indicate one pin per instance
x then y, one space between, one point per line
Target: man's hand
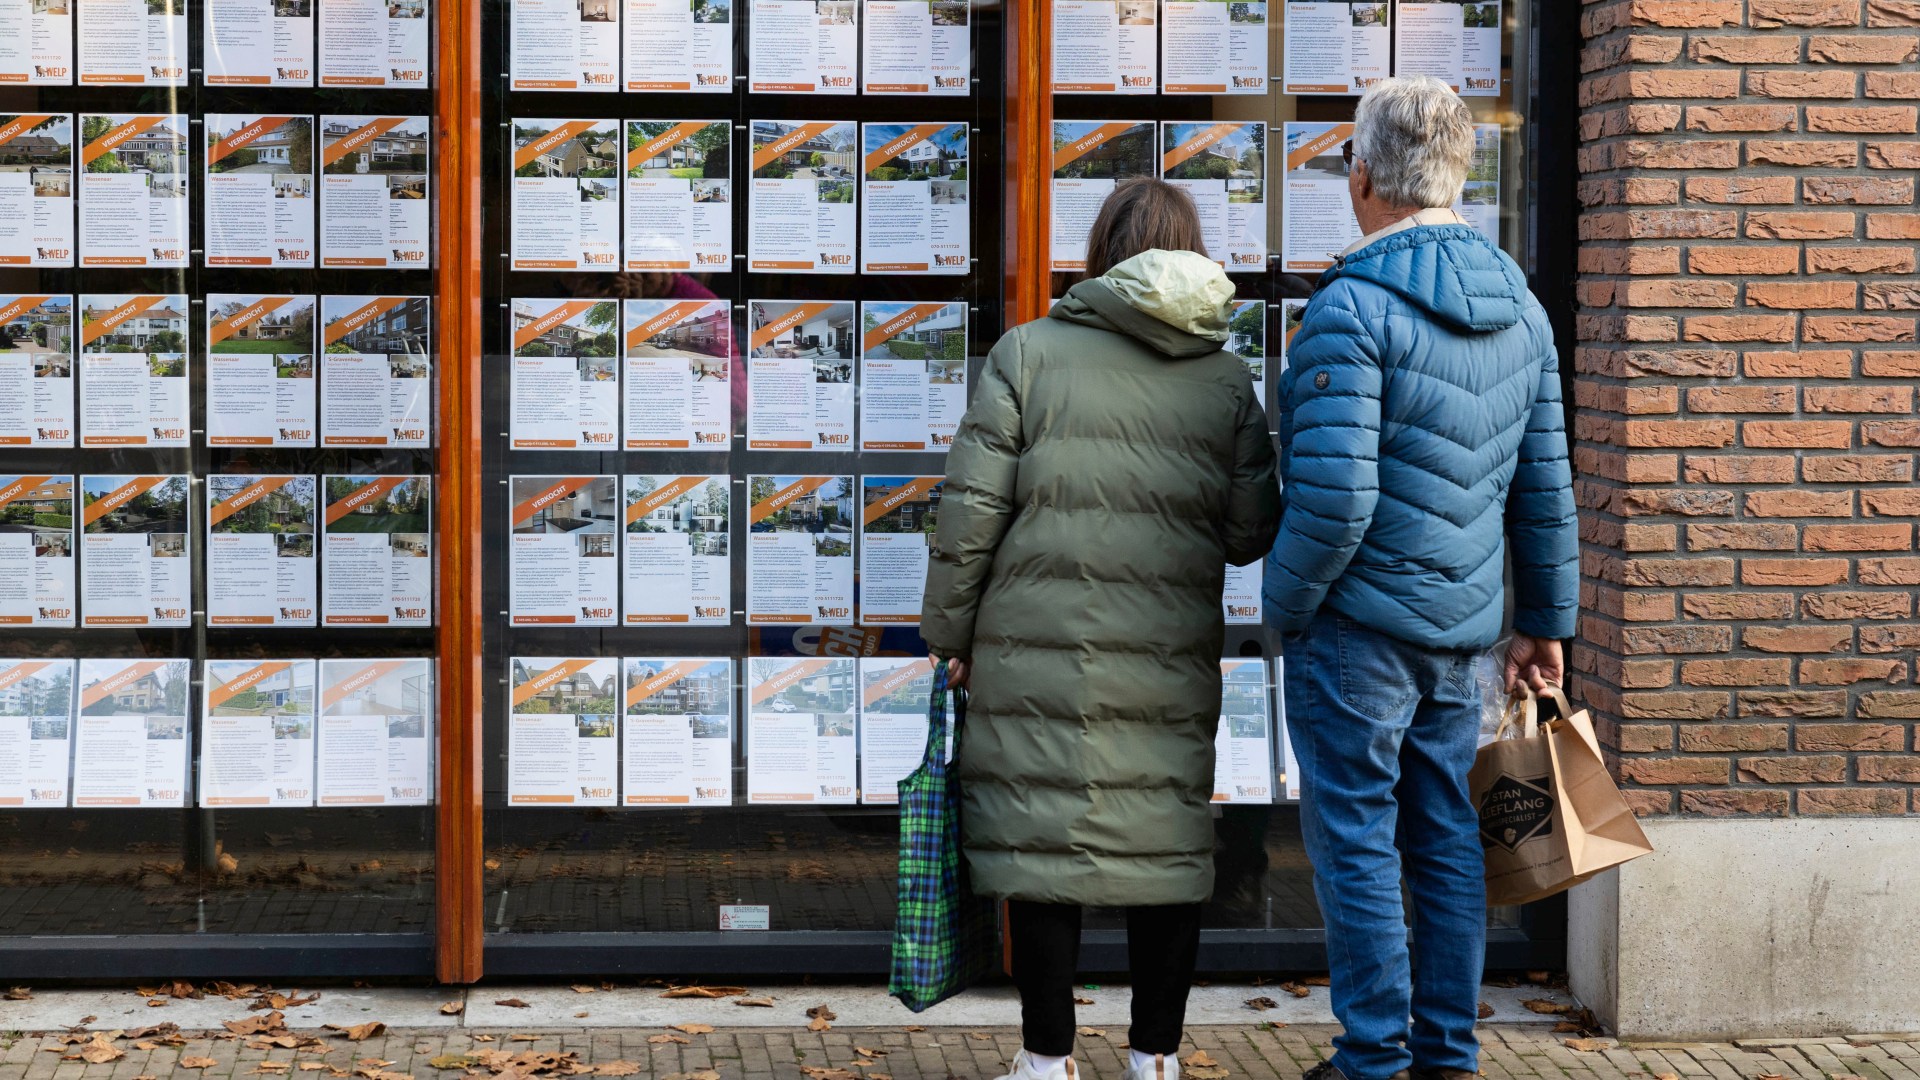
1536 660
956 673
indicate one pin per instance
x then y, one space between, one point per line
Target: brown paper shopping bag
1550 815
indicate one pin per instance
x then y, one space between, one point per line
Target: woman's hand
956 673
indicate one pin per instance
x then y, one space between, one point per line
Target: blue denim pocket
1375 678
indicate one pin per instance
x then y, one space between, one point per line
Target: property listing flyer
894 691
36 371
915 47
1479 201
676 736
256 733
373 191
36 551
1292 313
36 732
376 373
132 42
257 42
800 730
561 569
1335 46
1089 157
564 45
374 43
800 375
679 45
133 370
562 749
135 566
133 189
565 383
803 46
376 547
1289 767
913 374
1223 168
1455 41
130 740
800 550
1247 338
898 517
374 734
1316 214
679 198
801 215
678 378
36 44
260 556
914 218
1105 47
36 190
259 190
675 559
1191 32
566 194
260 371
1243 744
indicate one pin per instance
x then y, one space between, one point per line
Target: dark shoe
1326 1070
1444 1074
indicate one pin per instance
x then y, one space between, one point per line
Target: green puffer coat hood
1114 460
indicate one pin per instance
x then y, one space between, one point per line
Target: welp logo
1514 811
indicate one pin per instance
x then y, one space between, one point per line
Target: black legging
1162 943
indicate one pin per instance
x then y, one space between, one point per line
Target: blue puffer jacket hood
1421 441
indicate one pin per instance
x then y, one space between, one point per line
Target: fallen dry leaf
19 993
273 999
1091 1032
146 1076
360 1032
759 1002
452 1061
879 1076
582 988
1666 1076
1586 1045
1545 1007
1316 980
815 1072
913 1027
693 1029
616 1068
523 1038
453 1008
312 1066
1262 1004
84 1021
668 1039
864 1051
157 1003
197 1063
1200 1065
513 1003
579 1015
1769 1076
702 991
1199 1058
703 1074
373 1062
254 1025
1082 1001
483 1038
818 1023
273 1067
101 1050
1486 1010
1295 989
1541 977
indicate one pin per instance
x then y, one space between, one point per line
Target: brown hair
1142 214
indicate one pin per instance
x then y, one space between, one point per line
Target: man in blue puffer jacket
1422 446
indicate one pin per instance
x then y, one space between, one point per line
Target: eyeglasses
1346 153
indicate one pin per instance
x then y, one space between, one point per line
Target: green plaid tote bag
945 937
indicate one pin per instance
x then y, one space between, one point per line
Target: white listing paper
132 42
36 42
915 47
374 195
800 550
256 733
374 43
679 45
914 206
1316 213
803 46
801 217
1335 46
136 566
133 189
259 190
1243 744
130 744
679 199
1292 312
674 560
1089 156
562 747
36 190
898 518
260 550
562 568
376 371
678 375
566 194
133 371
565 45
1223 168
676 737
1479 201
257 42
376 547
1289 766
800 375
565 381
800 730
36 551
1455 41
36 371
1104 47
260 385
913 375
375 733
36 732
1191 33
1240 598
894 694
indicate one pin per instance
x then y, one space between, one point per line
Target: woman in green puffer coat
1113 462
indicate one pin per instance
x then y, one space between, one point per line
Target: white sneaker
1164 1067
1023 1070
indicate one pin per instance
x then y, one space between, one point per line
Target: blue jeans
1384 733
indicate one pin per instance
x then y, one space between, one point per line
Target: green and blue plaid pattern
944 937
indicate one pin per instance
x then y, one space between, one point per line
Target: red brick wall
1745 432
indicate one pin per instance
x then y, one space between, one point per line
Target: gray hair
1416 137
